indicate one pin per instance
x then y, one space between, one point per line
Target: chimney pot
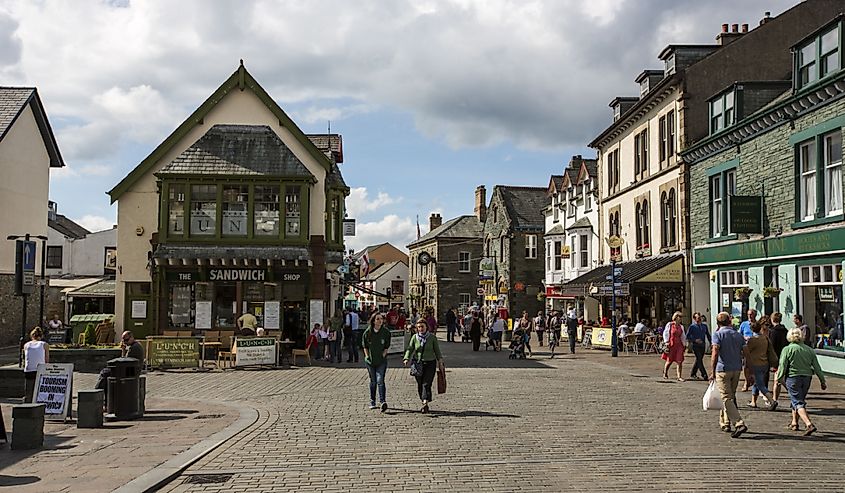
724 28
745 28
734 28
481 203
434 221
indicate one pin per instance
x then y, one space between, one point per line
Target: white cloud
394 229
359 202
95 223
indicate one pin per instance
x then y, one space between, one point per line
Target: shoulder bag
416 361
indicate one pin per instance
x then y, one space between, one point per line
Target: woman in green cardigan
424 347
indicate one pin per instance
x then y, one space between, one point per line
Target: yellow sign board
673 272
602 336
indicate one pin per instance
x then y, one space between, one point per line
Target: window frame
814 206
726 189
815 64
725 116
531 247
584 251
50 259
464 262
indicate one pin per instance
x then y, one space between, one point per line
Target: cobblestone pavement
586 422
95 460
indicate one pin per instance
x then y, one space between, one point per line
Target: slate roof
67 227
329 144
13 100
334 179
558 181
557 230
631 271
592 167
525 206
238 150
460 227
584 222
99 289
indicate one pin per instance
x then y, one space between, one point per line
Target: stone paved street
586 422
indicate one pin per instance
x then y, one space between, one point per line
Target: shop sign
479 291
54 389
237 274
565 251
173 352
746 214
826 294
486 264
176 276
782 246
671 273
348 227
602 336
255 351
623 289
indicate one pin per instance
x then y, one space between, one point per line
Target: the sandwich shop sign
237 275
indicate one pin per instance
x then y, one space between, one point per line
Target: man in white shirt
640 328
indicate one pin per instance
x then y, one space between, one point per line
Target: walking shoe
810 429
372 405
773 405
739 431
726 429
383 406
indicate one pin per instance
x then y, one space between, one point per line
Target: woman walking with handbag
760 356
424 356
676 342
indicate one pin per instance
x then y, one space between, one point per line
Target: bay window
203 210
176 209
235 210
267 210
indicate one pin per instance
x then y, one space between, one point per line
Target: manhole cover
208 478
208 416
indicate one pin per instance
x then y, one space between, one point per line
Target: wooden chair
302 352
650 344
227 356
104 333
185 333
170 333
630 342
81 339
226 337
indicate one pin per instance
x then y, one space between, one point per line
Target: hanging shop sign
746 214
565 251
54 389
255 351
348 227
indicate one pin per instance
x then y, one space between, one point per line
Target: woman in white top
35 351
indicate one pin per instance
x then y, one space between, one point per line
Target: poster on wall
316 313
54 389
139 309
726 300
736 309
271 314
203 315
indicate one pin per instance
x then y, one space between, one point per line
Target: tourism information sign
173 352
255 351
54 389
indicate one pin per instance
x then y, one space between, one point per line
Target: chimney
726 37
481 203
766 18
434 221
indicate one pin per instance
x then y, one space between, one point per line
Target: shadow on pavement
160 417
455 414
6 480
819 436
170 411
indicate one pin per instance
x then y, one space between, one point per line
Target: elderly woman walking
424 355
798 364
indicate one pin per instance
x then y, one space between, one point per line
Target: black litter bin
123 388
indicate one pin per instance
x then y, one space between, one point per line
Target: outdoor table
285 349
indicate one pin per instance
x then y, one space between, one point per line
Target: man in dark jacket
777 336
451 325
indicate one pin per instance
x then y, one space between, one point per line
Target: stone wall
10 311
766 167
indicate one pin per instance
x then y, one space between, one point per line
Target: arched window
672 218
646 227
664 219
639 217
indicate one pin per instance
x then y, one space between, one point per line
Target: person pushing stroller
517 346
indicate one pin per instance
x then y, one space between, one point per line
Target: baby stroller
489 343
517 346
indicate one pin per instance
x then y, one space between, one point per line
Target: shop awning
232 255
100 289
661 268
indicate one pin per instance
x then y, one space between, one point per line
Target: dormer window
722 111
643 88
617 112
818 58
669 68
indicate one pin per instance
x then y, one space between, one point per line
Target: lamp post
613 242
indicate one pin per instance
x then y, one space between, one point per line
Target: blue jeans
761 380
377 380
798 388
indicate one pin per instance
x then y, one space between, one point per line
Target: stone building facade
785 161
513 241
451 279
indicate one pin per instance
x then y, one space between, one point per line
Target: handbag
416 362
441 380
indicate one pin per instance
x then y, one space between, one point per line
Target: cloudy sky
432 97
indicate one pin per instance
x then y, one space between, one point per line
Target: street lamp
613 242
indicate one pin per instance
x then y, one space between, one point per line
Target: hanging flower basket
742 293
771 292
